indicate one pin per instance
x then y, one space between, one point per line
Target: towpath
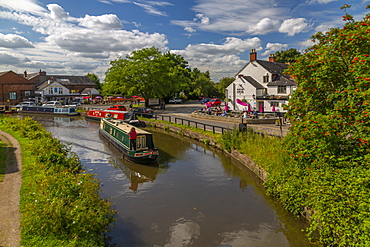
9 193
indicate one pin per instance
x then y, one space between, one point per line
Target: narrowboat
116 132
125 116
66 111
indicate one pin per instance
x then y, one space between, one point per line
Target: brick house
15 88
261 84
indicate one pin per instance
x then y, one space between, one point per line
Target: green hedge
60 202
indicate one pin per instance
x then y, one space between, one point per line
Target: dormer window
266 78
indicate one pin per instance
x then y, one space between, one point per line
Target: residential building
15 88
262 85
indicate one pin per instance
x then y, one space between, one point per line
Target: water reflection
196 196
136 173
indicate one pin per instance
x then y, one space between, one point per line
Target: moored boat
67 111
116 132
125 116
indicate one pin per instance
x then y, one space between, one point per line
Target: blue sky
76 37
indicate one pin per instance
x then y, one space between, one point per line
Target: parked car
25 103
204 100
117 108
175 101
215 102
52 103
145 110
74 104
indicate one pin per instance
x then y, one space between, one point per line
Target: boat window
115 115
143 141
110 131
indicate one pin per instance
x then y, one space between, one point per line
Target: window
12 95
274 103
281 89
55 90
50 90
27 93
266 78
60 90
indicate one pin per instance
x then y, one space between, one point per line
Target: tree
329 139
95 79
202 83
288 56
147 72
223 84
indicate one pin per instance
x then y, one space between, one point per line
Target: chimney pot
253 55
272 58
25 74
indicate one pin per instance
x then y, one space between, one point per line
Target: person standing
132 136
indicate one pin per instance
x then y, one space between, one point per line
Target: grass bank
60 202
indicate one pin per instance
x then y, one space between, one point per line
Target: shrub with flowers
328 174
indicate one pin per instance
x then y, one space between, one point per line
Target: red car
117 108
215 102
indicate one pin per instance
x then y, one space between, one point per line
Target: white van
52 103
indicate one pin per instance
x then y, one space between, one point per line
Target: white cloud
230 46
108 21
221 60
57 12
7 59
294 26
323 28
253 16
203 19
266 25
305 44
14 41
190 30
321 1
150 9
22 5
273 47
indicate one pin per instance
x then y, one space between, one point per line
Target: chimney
272 58
42 76
253 55
25 74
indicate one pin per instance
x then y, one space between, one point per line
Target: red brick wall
12 82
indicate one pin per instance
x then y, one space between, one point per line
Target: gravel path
9 193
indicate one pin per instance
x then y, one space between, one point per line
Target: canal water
196 196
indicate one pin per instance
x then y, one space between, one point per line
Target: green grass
59 200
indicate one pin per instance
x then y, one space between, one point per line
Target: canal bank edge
242 158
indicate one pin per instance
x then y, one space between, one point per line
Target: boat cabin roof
126 127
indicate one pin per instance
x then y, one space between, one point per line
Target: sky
76 37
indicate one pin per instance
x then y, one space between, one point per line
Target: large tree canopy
288 56
147 72
329 140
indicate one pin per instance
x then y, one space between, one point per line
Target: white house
260 84
54 90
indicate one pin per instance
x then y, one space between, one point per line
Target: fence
192 123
